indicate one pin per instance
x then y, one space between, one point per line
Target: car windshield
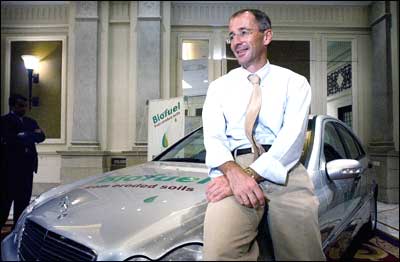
191 148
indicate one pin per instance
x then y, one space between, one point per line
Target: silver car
155 211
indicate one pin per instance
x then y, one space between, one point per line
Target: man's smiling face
248 44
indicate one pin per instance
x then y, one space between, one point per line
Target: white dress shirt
286 98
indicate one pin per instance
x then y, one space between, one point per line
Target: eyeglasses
243 33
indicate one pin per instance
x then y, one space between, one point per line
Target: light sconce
31 63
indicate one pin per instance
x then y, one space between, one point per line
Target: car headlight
191 252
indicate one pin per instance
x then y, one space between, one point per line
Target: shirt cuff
215 172
218 158
270 169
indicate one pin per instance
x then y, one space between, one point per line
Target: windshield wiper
183 159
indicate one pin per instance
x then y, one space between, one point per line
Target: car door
341 196
354 150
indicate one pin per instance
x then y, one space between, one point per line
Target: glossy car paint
149 210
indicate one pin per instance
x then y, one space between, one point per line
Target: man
254 140
19 157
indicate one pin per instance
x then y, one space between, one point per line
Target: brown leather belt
244 151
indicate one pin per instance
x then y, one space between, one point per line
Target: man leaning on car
254 121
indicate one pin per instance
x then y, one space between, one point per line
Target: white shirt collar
262 72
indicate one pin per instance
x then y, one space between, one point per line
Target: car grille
38 243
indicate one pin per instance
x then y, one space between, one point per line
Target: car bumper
9 248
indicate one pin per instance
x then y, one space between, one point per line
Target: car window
191 149
353 148
333 147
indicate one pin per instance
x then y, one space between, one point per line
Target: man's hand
245 188
218 189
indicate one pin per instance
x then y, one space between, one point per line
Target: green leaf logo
165 140
150 199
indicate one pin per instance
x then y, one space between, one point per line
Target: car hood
143 210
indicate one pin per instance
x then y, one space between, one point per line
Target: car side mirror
343 169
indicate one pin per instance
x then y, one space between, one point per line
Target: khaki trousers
230 229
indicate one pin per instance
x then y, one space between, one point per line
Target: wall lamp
31 63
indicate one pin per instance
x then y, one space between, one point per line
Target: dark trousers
17 189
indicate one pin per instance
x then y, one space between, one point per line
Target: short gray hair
262 18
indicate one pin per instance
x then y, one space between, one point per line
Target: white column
85 122
166 48
104 73
148 63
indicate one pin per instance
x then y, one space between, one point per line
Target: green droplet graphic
150 199
165 141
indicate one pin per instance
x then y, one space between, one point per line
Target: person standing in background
19 158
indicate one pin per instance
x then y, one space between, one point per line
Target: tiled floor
388 218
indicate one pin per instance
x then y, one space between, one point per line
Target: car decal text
156 178
141 185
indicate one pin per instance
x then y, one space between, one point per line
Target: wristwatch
250 171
